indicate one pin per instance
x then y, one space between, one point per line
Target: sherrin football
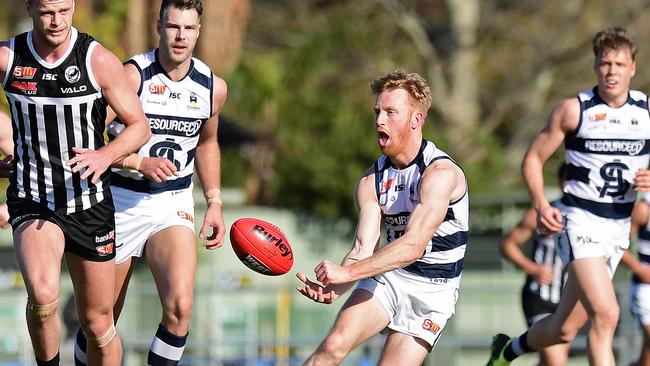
261 246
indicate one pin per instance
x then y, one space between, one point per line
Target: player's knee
606 318
99 334
334 346
40 311
179 310
567 333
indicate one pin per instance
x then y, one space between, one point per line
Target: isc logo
49 77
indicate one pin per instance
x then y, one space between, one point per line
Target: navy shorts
89 233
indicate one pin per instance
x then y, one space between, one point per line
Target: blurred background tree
298 74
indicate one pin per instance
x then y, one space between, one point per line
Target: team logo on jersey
597 117
615 184
24 72
157 89
27 87
72 74
635 122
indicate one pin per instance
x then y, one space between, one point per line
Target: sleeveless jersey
177 111
543 252
608 147
398 194
54 107
643 241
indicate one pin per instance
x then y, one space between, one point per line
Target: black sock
52 362
80 357
517 347
166 348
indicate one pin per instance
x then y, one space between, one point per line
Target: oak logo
27 87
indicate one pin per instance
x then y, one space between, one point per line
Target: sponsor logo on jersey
24 72
621 146
400 219
103 238
74 89
428 324
193 102
157 89
104 250
27 87
585 240
597 117
49 77
385 186
172 126
72 74
185 215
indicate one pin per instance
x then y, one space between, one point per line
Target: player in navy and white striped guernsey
152 190
640 268
545 273
606 134
409 285
58 82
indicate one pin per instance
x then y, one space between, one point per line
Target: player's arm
511 248
366 240
6 146
640 215
562 121
110 76
441 183
4 59
208 169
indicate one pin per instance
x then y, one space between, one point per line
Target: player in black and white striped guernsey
545 274
154 204
640 268
58 82
606 134
409 285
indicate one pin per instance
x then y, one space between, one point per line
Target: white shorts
416 308
139 215
640 302
589 236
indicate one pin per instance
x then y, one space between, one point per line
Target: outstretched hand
95 162
213 219
317 292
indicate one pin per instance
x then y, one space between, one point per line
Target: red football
261 246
